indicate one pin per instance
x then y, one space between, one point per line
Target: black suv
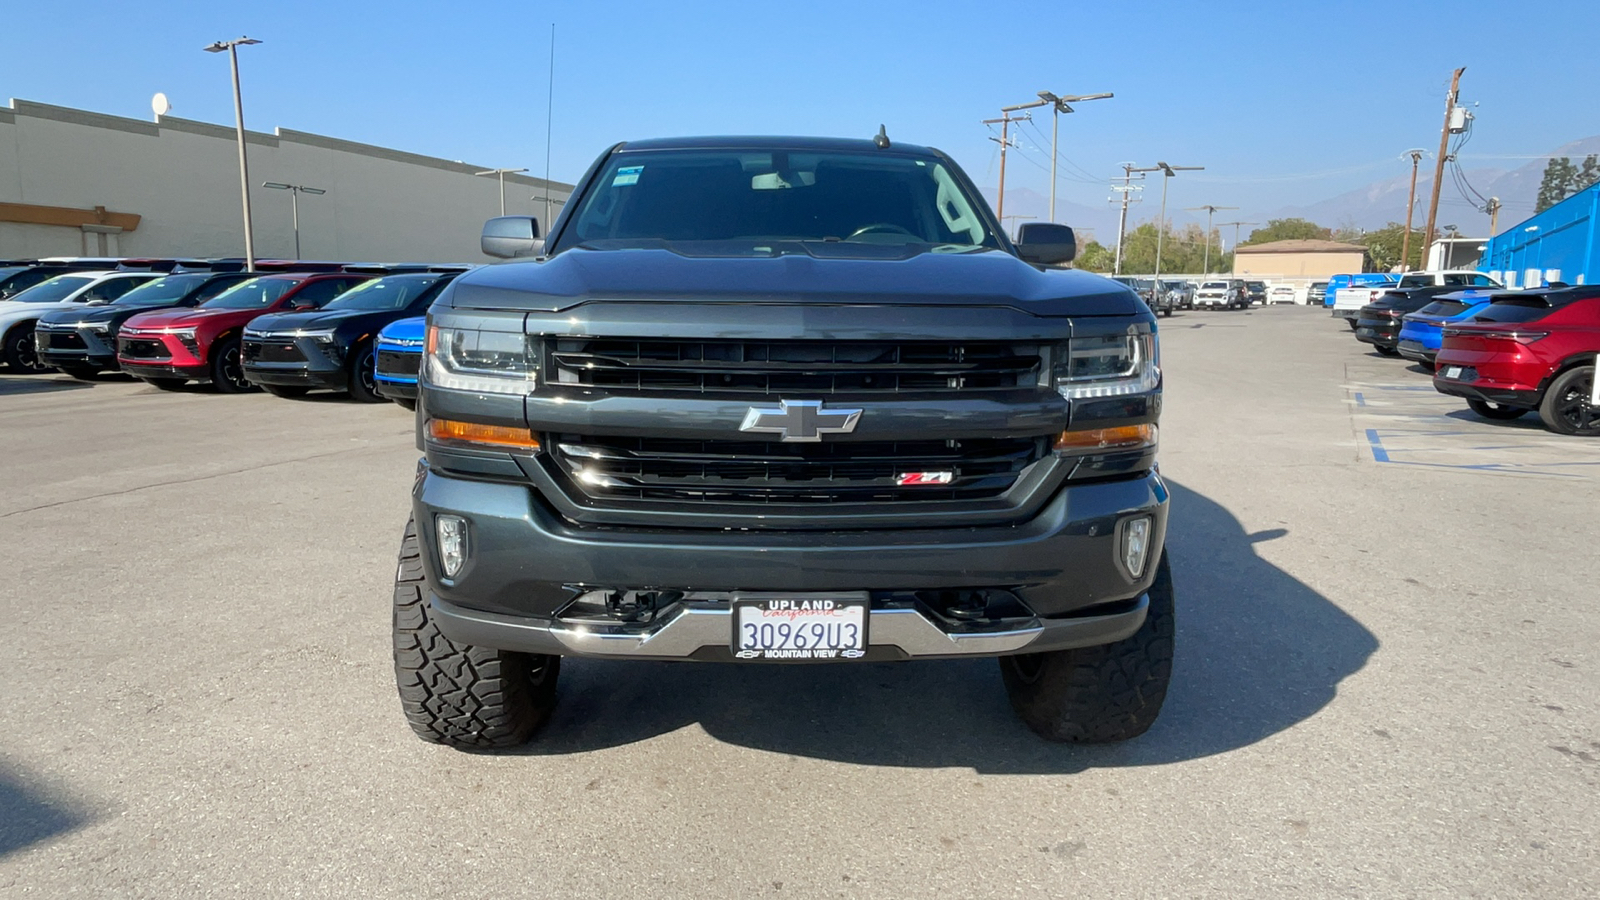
332 347
784 399
83 341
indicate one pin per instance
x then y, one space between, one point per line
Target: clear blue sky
1283 103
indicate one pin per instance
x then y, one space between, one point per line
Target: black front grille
793 367
398 365
271 352
60 340
133 348
689 471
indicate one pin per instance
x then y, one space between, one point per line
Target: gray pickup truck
784 400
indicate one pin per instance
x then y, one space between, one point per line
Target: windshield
384 293
257 293
170 289
755 196
55 290
1214 286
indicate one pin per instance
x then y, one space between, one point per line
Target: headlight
493 362
97 327
1109 365
182 334
324 335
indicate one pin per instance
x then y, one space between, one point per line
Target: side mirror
509 237
301 305
1046 243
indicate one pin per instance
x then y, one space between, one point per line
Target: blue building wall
1560 244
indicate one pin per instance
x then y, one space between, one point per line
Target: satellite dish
160 105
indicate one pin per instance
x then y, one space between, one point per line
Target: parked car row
289 327
1507 353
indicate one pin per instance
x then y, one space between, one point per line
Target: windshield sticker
627 175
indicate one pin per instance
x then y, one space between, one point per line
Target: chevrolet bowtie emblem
800 420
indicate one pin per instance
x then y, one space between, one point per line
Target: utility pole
1161 223
1233 265
1058 106
1411 202
1126 189
1005 120
1494 216
1438 164
1210 211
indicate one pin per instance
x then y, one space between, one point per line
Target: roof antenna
882 140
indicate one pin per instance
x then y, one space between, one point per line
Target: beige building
74 183
1299 260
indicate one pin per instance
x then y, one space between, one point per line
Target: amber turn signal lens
489 435
1123 437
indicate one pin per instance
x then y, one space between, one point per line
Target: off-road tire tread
471 698
1112 692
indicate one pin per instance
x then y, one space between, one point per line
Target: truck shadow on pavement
28 816
37 384
1257 653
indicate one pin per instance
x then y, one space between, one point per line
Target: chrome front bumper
704 630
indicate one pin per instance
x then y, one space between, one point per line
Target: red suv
168 347
1533 349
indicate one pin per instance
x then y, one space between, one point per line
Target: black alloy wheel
1566 409
227 369
364 375
21 353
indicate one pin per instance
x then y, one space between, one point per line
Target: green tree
1589 174
1096 257
1560 182
1183 251
1288 230
1383 246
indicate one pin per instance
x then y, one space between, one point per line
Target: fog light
452 543
1135 545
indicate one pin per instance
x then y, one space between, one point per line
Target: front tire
1565 408
363 375
1112 692
227 368
1386 351
21 353
470 698
1497 411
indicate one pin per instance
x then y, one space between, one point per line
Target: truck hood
981 278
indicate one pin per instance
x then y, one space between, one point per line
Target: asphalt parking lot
1386 679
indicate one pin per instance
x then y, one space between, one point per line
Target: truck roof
774 142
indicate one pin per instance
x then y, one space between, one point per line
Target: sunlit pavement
1386 676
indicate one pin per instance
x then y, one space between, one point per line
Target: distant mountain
1381 202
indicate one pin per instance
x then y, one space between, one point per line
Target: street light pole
1210 211
1058 106
295 190
501 174
1234 265
238 115
1161 223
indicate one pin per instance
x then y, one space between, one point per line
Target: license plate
804 626
1452 372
